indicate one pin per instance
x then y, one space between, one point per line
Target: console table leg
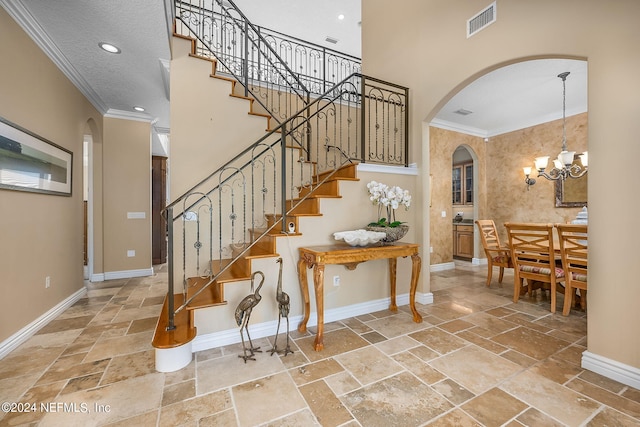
304 288
318 282
393 268
416 263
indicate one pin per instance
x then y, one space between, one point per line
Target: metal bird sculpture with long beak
283 309
243 313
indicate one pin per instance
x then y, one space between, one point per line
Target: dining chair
533 257
574 252
497 254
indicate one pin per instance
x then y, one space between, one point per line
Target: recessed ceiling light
140 109
109 47
341 17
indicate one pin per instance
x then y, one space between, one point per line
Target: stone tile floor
478 359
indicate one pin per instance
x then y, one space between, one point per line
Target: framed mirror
572 192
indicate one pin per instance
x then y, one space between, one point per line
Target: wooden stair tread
184 332
225 78
235 95
253 113
210 297
206 58
259 252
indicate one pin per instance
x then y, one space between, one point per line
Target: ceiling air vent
330 39
463 112
481 20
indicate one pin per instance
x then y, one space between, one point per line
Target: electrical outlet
336 280
47 282
444 214
431 249
131 253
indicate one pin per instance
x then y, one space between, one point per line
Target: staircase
220 226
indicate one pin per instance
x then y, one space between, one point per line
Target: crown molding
473 131
128 115
456 127
20 14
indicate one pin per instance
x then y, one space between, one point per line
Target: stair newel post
283 174
170 294
245 63
406 127
363 117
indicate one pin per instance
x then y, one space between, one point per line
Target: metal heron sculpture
243 313
283 309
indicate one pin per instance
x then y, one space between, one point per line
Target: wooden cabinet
462 184
463 241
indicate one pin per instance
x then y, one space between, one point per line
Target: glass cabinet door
456 184
468 184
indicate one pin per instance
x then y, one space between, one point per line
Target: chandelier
563 166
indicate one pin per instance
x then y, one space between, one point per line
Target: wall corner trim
25 333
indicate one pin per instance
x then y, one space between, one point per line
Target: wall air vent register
481 20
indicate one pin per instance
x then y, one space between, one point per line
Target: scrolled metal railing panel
224 33
269 56
384 116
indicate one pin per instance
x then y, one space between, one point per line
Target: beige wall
430 54
40 234
126 188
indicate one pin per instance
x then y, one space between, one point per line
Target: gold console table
317 257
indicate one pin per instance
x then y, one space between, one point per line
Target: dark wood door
158 203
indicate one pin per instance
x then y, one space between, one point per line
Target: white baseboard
442 267
98 277
267 329
127 274
28 331
612 369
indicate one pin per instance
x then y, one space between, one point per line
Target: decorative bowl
359 237
392 234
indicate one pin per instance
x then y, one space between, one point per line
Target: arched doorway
464 190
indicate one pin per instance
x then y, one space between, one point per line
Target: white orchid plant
390 199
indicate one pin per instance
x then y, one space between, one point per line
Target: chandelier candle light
563 165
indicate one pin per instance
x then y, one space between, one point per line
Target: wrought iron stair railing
266 63
223 219
234 212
